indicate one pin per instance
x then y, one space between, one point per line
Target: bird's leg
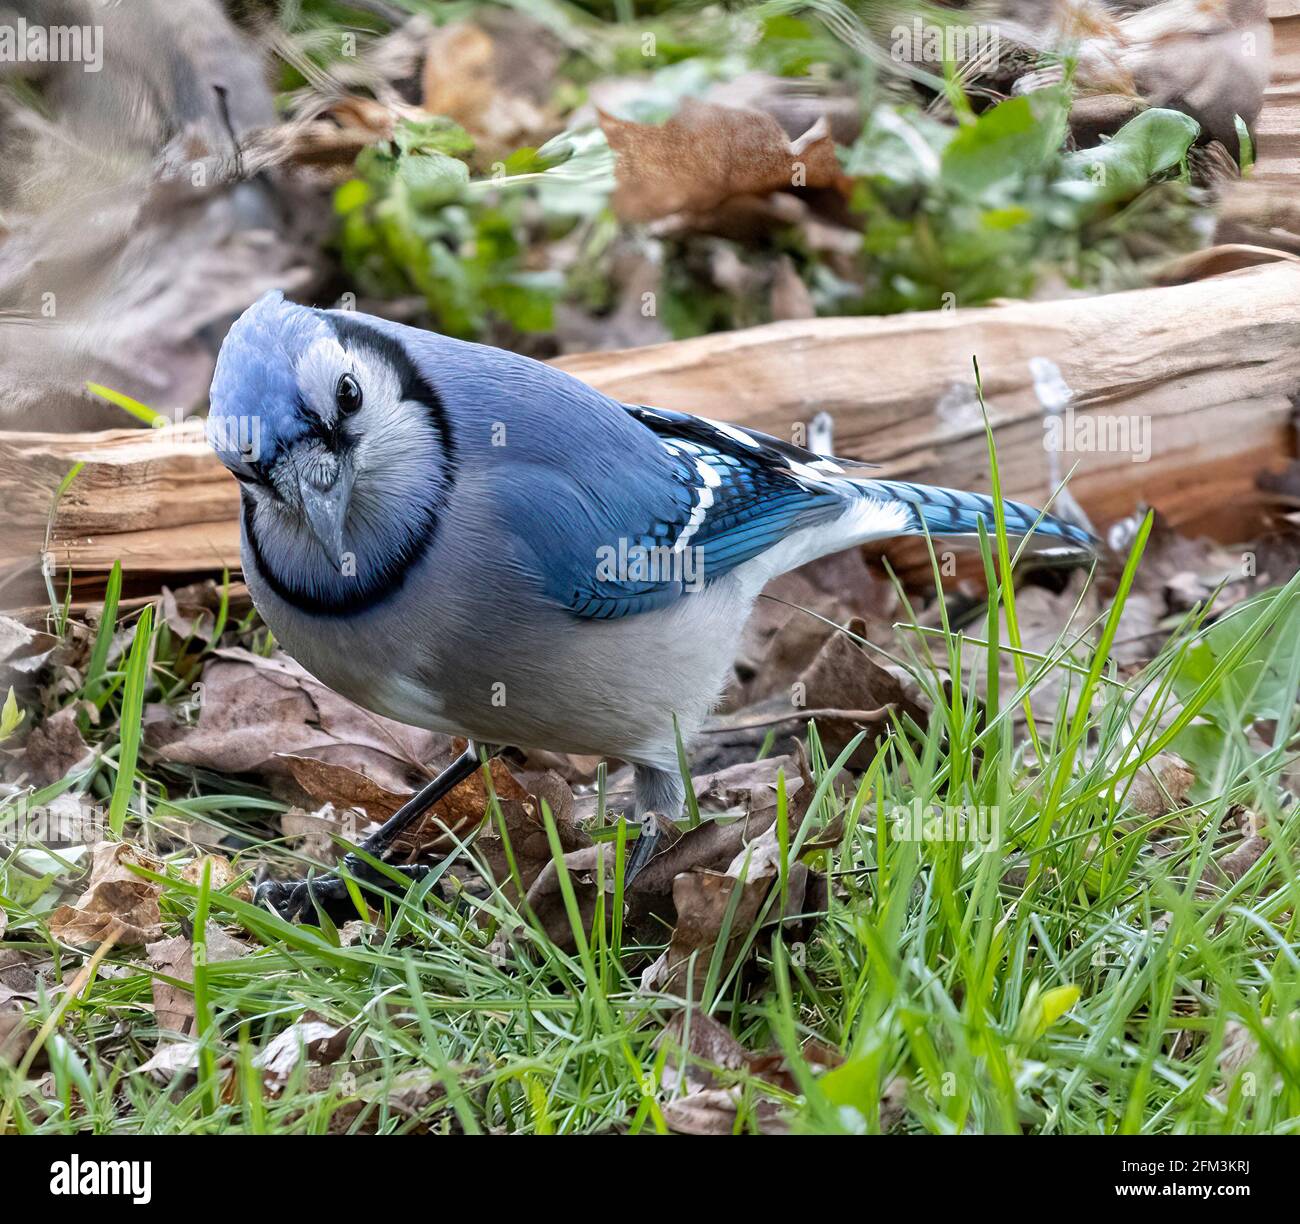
658 791
298 898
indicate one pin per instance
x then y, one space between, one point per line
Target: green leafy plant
963 216
1253 654
410 224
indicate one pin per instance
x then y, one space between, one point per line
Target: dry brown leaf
528 842
702 899
1138 639
742 787
701 1041
458 813
788 628
546 900
473 75
343 786
1243 858
407 1095
221 875
173 1005
459 80
117 903
190 611
311 1036
733 153
711 844
844 677
461 811
790 297
55 747
1162 787
789 623
17 1030
23 651
698 1049
780 638
170 1060
313 833
715 844
255 712
18 972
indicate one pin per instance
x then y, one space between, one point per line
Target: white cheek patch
392 435
317 374
381 389
382 409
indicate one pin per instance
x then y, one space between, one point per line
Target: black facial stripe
330 433
353 594
258 475
415 386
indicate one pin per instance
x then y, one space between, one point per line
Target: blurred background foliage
485 206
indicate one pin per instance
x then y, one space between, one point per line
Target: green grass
1071 979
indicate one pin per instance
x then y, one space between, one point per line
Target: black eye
347 394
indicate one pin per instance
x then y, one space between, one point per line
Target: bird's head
340 445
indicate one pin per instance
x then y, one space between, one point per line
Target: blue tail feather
950 512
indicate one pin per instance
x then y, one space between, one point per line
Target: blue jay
473 542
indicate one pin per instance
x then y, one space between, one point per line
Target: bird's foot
301 898
329 894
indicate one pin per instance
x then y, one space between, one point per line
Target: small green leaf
432 179
10 716
1259 685
1246 156
854 1084
437 134
1006 144
1041 1009
1007 218
1153 143
350 196
537 161
1056 1002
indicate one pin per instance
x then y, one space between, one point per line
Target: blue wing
616 509
683 503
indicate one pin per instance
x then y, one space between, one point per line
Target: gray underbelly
552 681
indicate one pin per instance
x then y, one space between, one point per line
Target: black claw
300 898
273 893
643 850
